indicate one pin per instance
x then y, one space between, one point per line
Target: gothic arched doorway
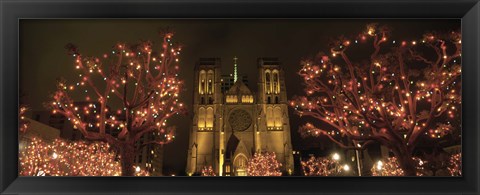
240 165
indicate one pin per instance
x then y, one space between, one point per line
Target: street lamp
379 168
137 169
336 156
346 167
379 165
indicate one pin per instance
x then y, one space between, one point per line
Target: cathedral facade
229 127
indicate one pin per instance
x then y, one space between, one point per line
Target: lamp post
339 169
379 168
336 157
357 156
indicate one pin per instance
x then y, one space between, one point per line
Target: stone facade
229 127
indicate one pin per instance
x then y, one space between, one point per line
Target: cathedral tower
272 101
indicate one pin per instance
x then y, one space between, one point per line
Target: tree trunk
127 152
405 161
408 166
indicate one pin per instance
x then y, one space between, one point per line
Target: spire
235 69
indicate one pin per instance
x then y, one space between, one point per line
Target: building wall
59 122
42 131
150 157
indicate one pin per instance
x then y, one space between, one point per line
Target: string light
264 164
391 167
62 158
377 98
455 165
324 166
23 123
208 171
148 101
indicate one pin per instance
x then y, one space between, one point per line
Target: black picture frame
11 11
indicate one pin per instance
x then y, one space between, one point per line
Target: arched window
210 80
194 150
277 113
248 99
210 86
201 82
276 99
240 163
201 118
275 82
278 83
269 100
231 99
267 82
269 117
194 154
209 118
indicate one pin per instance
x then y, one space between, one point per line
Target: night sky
43 57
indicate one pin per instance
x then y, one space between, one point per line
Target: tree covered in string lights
136 90
387 167
208 171
391 167
62 158
264 164
387 91
324 166
455 165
